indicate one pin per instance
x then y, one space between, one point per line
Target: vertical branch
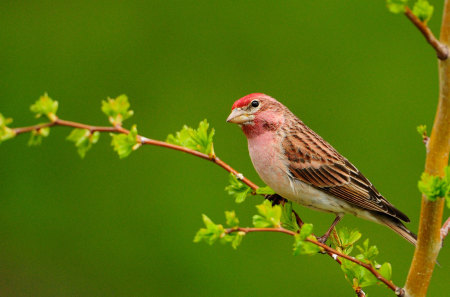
429 238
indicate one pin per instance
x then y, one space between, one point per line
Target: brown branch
444 229
143 140
438 148
440 48
359 292
329 250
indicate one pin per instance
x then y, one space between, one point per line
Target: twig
399 291
143 140
440 48
444 229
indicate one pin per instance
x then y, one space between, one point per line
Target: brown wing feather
314 161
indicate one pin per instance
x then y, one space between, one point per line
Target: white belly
270 163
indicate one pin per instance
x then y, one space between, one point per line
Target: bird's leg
324 237
275 199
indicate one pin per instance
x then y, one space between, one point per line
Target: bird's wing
313 161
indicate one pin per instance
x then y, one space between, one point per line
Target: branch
438 148
440 48
142 139
330 251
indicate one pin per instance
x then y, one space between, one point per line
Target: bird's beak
239 116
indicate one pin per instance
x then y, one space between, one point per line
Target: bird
302 167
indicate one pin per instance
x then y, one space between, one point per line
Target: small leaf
83 140
117 109
195 139
422 130
264 191
211 233
303 247
36 136
288 220
237 239
231 219
423 10
124 144
5 132
386 271
45 106
433 187
269 216
396 6
238 189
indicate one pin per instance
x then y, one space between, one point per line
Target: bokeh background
361 77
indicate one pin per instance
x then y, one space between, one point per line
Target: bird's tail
398 227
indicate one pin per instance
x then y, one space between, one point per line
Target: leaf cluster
5 132
421 8
301 245
199 139
435 187
124 144
117 109
45 106
83 140
344 241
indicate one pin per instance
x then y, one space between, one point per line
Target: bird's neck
260 127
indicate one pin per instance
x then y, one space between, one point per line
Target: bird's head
256 113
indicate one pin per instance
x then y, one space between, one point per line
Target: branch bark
429 237
440 48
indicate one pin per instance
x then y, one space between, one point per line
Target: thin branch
440 48
332 252
143 140
359 292
444 229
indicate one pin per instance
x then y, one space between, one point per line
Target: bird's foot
275 199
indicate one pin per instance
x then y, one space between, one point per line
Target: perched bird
302 167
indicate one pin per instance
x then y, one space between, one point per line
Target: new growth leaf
124 144
238 189
117 109
199 139
83 140
5 132
45 106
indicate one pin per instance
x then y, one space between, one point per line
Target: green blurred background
358 75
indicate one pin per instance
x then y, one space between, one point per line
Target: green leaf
45 106
117 109
269 216
288 220
422 130
238 189
195 139
303 247
83 140
211 233
36 136
423 10
5 132
231 219
433 187
237 239
396 6
386 270
124 144
264 191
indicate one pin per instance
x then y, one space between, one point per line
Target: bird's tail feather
399 228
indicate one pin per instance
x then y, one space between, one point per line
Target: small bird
302 167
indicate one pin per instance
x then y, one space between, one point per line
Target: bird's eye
255 103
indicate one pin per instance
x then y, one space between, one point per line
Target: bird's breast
270 162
